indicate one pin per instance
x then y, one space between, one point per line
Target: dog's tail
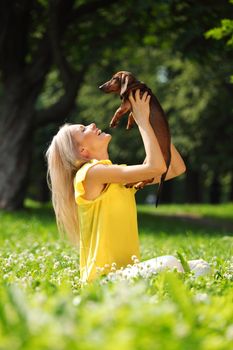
159 191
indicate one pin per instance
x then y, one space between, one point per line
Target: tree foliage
223 32
57 53
50 40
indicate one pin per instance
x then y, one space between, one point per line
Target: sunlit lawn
43 307
223 211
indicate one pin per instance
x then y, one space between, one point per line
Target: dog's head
119 83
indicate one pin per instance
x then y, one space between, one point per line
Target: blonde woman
91 202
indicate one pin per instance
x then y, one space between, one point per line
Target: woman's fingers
137 94
148 98
134 98
131 98
145 97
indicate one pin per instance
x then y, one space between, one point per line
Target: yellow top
108 226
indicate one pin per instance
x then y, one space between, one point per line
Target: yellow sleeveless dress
108 226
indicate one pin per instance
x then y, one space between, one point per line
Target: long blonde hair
63 162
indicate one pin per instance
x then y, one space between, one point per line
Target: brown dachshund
123 83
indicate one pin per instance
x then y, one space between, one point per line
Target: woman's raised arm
155 165
176 168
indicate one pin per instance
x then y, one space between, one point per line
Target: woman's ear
124 83
84 152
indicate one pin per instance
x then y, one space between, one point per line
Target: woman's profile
92 203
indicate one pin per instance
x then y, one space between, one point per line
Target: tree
185 34
223 31
37 38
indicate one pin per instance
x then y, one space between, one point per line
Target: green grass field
43 307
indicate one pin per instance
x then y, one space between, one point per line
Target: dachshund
123 83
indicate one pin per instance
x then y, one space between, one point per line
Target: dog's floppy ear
124 83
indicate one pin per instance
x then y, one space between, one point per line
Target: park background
53 56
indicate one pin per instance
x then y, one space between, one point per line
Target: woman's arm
155 165
176 168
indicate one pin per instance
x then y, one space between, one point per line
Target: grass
223 211
43 307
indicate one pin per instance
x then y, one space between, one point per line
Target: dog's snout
104 87
111 85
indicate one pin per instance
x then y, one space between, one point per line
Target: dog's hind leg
130 121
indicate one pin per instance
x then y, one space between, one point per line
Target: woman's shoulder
81 172
93 162
80 179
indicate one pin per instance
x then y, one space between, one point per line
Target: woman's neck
100 155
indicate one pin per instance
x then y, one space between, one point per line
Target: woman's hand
140 107
154 166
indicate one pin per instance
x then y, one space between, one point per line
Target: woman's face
90 137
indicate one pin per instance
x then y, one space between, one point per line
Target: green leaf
183 262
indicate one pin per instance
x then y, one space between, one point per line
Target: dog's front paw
137 185
140 185
113 123
130 185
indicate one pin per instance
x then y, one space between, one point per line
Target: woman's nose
93 126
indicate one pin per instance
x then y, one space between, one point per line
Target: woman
91 202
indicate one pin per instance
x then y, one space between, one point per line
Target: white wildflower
77 300
56 264
229 332
135 259
98 269
31 257
228 276
182 330
202 298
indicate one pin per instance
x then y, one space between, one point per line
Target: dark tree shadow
176 224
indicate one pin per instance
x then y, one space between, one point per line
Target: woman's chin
105 135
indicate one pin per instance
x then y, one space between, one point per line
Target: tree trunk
231 189
16 133
215 189
193 187
43 195
167 192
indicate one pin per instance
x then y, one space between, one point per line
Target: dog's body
123 83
